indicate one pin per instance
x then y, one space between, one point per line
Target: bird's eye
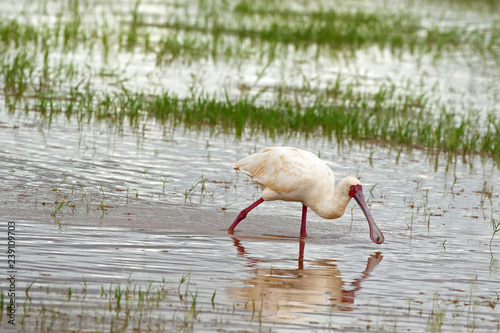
352 187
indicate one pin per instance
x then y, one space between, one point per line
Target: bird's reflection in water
285 293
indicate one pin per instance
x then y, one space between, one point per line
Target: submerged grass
247 29
116 307
339 112
32 80
158 306
350 29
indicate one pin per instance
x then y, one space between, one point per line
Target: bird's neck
333 206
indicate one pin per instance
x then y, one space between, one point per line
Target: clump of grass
339 112
17 72
336 30
118 307
60 206
14 34
357 121
496 228
248 29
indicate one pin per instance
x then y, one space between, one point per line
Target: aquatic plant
340 111
221 31
160 306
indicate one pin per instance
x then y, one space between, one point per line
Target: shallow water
462 81
96 206
343 280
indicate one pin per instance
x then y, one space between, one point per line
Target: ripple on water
157 223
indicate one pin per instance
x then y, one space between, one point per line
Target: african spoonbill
291 174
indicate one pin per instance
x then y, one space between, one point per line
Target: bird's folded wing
278 169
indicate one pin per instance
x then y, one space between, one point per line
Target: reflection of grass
441 312
436 317
495 223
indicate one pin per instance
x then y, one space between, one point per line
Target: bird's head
356 192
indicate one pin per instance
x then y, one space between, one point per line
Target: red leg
244 213
303 232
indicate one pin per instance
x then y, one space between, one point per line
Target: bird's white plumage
291 174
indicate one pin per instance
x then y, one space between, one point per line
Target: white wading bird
291 174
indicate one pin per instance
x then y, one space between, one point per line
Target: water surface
99 206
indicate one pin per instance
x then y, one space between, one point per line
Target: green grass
339 112
33 81
335 30
152 306
17 72
222 31
158 306
117 307
40 78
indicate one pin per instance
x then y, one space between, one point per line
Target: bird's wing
257 166
282 169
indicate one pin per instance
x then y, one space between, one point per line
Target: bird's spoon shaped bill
375 233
